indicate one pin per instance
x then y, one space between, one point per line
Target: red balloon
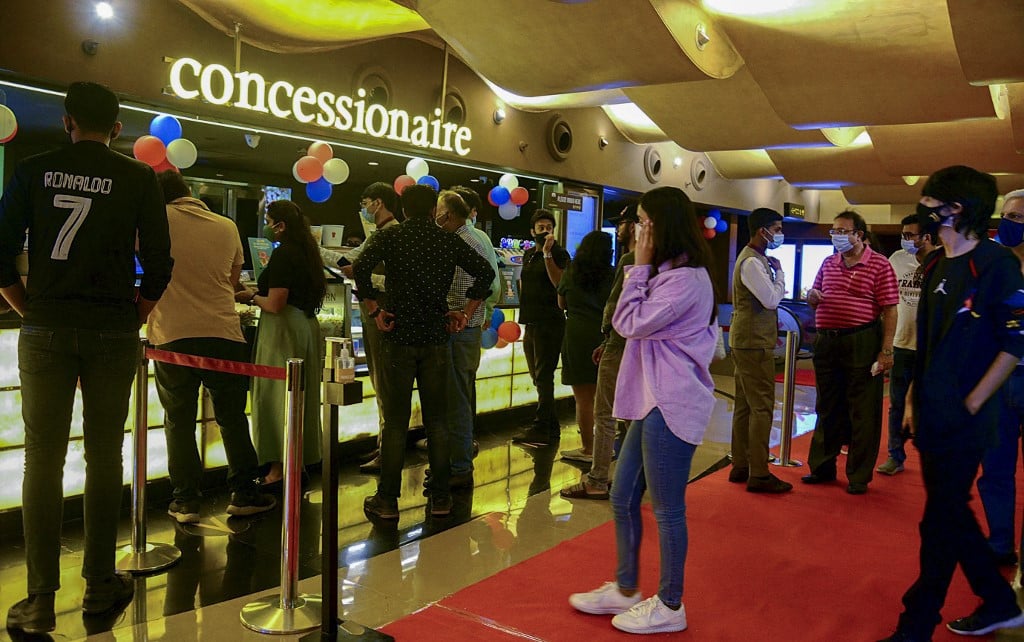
709 233
501 343
11 136
520 195
164 166
150 150
491 200
402 182
309 168
321 151
509 331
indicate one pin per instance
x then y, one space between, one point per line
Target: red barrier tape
218 365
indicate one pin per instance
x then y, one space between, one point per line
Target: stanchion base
349 631
265 615
790 463
153 558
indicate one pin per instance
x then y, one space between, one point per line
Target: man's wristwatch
887 353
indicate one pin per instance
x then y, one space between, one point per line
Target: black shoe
533 437
111 594
769 484
365 457
381 507
979 624
902 636
34 614
856 489
476 448
1006 559
814 478
184 511
739 475
440 505
461 480
371 467
246 504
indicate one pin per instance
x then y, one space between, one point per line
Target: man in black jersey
969 340
85 209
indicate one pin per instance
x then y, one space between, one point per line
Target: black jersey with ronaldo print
83 208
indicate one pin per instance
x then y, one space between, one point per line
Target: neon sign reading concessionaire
217 85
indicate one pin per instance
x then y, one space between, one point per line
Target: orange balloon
509 331
321 151
709 233
164 166
402 182
150 150
501 343
309 169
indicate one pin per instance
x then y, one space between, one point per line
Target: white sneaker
606 600
651 616
577 454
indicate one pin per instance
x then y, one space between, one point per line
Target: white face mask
842 243
908 246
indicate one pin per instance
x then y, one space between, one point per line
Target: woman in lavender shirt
667 313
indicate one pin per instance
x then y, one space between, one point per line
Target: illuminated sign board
217 85
570 201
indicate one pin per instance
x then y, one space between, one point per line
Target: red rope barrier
218 365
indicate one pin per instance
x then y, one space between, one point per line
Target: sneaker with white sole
651 616
980 623
890 467
607 600
577 454
184 511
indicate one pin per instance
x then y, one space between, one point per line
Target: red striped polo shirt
854 296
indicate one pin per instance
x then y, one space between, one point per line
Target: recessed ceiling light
220 175
474 180
104 10
373 163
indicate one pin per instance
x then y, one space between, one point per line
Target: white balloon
710 222
508 210
508 181
417 168
8 123
182 153
336 171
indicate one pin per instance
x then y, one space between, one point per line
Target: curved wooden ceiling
920 75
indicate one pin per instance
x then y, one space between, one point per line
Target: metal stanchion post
141 556
288 612
788 395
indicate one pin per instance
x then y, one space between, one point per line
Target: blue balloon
166 128
715 214
319 190
488 338
497 318
500 195
430 180
721 226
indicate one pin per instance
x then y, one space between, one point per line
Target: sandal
579 491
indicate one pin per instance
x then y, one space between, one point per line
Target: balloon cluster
507 196
320 171
163 148
714 224
500 332
8 124
417 172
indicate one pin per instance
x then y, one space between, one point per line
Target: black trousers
542 344
849 404
950 535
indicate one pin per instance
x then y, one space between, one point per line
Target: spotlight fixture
602 142
677 161
104 10
499 115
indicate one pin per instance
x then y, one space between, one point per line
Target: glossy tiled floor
513 513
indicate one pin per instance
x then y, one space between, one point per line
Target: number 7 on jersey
79 206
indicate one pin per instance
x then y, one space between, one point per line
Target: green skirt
285 335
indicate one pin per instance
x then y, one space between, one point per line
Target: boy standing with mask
916 243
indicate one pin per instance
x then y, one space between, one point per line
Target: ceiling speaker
559 138
652 164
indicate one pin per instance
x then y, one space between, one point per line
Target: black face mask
539 238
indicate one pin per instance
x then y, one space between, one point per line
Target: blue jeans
900 376
652 457
997 486
52 363
465 360
398 367
178 387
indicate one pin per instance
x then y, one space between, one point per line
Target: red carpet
804 377
815 565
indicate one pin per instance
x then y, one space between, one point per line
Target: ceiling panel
843 165
909 150
748 163
987 35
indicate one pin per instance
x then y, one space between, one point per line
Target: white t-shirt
908 279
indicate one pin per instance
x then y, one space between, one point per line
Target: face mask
539 238
842 243
777 241
365 213
908 246
269 232
1010 232
932 213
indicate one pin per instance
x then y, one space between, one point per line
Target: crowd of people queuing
635 338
